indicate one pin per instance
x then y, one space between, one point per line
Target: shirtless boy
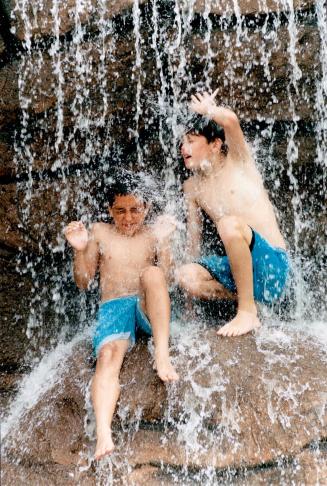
133 293
227 186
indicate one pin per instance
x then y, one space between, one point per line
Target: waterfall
104 84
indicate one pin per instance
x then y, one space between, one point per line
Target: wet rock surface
2 45
14 310
254 403
41 23
268 405
249 6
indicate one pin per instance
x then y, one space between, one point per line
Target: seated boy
227 186
133 293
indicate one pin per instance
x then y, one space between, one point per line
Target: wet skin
229 188
124 253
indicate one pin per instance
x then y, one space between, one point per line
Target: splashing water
102 88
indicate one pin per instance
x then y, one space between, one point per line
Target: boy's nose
128 216
182 149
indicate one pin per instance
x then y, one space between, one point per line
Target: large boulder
240 403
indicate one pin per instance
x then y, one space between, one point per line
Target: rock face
84 82
242 402
42 19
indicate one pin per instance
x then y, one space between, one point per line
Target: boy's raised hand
164 227
204 104
76 234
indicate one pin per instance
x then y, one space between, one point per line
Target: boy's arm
205 105
163 230
86 253
193 221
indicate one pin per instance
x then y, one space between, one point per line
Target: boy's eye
132 210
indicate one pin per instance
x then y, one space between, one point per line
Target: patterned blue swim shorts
119 319
271 268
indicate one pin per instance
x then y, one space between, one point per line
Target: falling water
100 87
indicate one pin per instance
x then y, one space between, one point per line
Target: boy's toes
173 376
167 373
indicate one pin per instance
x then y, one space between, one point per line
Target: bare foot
243 323
104 446
165 369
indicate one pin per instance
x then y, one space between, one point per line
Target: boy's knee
152 276
187 278
183 274
108 354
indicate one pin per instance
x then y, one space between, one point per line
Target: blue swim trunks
119 319
271 268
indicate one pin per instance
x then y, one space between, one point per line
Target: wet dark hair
200 125
124 184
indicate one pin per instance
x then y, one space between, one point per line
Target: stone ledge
226 7
43 24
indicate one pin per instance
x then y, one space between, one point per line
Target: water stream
99 90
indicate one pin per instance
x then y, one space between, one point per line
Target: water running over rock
87 85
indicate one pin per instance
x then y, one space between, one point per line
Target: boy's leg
198 283
236 237
105 392
157 307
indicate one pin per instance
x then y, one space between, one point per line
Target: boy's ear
110 211
216 144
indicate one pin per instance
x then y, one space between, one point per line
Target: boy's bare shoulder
190 185
148 234
99 229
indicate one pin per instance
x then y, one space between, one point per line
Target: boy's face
128 213
197 151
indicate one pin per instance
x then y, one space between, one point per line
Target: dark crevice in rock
321 445
58 174
281 127
12 45
123 24
157 426
7 253
253 21
100 165
228 472
14 368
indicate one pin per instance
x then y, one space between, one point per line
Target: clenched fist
77 235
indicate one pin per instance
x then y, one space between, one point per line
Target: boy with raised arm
133 292
227 186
